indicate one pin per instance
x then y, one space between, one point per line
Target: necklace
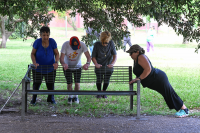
105 51
45 44
45 49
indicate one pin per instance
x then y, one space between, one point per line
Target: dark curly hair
44 29
134 48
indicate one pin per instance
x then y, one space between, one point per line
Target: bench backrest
121 74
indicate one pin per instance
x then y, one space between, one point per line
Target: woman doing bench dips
155 79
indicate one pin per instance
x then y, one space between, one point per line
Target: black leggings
103 76
162 86
49 79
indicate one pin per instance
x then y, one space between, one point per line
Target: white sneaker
76 100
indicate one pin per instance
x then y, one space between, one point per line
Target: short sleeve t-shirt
73 57
104 54
151 35
45 56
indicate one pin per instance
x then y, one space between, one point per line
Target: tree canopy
182 15
33 13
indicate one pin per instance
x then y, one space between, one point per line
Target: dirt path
12 123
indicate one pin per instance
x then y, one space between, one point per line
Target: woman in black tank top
155 79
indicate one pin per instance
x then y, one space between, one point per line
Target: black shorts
68 75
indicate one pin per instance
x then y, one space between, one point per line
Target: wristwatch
88 63
139 78
56 62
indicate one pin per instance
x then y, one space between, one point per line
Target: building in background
58 22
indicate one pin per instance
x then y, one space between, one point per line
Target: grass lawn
179 62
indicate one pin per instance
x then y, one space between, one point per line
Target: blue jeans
127 41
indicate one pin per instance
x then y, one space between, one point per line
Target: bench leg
138 99
25 102
131 97
23 99
26 95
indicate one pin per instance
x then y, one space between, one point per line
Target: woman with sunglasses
104 56
155 79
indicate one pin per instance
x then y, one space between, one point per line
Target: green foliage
61 14
181 15
148 18
33 13
70 20
19 29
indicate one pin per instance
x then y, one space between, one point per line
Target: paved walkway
111 124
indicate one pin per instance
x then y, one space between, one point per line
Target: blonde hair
105 36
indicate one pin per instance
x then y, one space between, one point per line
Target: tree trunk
185 41
72 23
3 42
1 27
4 33
5 37
157 28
